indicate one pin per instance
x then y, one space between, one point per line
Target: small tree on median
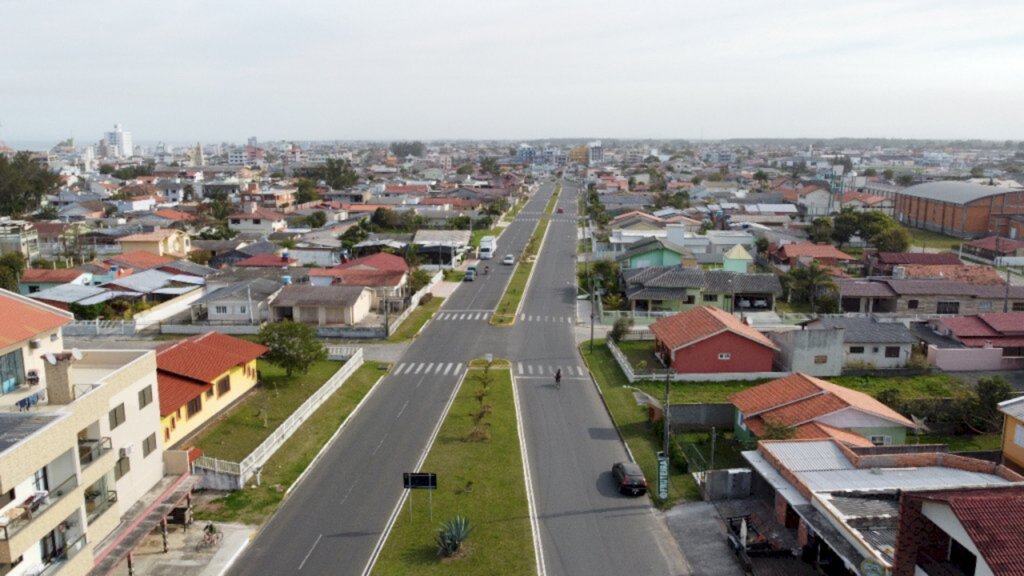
293 346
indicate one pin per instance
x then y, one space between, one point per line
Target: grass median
479 470
515 291
550 206
412 325
254 505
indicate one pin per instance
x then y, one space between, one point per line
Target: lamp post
666 421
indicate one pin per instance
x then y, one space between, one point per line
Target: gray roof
15 427
1014 407
257 288
456 238
955 192
233 274
651 244
307 295
189 267
144 282
868 330
68 293
679 278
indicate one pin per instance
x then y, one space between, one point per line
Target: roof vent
877 471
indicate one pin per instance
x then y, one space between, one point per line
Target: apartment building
78 441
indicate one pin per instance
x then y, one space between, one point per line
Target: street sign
662 476
419 480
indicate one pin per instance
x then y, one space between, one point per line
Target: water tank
286 280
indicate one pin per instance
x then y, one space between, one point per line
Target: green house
656 252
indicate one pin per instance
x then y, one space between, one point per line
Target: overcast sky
217 70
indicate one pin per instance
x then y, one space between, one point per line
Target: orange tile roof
207 356
25 319
370 278
976 275
154 236
49 276
775 393
140 259
379 261
176 391
700 323
801 249
174 215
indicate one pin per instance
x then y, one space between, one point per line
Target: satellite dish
76 353
51 359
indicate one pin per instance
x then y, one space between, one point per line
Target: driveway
702 539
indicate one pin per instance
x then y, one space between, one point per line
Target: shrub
451 536
620 329
918 361
426 299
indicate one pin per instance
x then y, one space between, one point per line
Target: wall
1012 451
703 357
362 307
139 423
800 351
242 380
942 516
874 354
690 417
965 359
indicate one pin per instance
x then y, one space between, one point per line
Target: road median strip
512 299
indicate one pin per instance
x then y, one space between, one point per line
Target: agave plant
452 534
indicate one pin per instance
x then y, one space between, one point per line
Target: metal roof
67 293
772 476
927 477
1014 407
954 192
801 456
868 330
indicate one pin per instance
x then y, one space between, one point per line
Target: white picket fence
414 302
251 464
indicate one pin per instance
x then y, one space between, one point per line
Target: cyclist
486 270
558 378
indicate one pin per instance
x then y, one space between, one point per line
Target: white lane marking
458 368
350 489
440 365
398 370
529 368
522 317
379 444
520 366
402 410
303 563
419 367
538 545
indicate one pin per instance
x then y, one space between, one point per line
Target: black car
629 478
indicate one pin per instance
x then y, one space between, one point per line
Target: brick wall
915 534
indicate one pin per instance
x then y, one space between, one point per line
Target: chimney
59 389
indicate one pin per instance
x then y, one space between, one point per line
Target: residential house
258 220
993 247
1013 433
162 242
870 344
138 260
80 447
671 288
966 273
244 302
817 201
863 202
229 256
35 279
156 286
805 252
385 274
925 297
988 341
883 263
737 260
19 236
959 531
268 261
322 305
816 409
270 198
655 252
201 376
842 503
706 340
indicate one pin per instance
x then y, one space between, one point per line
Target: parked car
629 478
508 259
470 276
561 210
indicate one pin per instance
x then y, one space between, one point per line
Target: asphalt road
334 519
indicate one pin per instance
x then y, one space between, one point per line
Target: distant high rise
526 153
253 141
119 143
595 152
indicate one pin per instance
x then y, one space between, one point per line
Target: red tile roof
205 357
925 258
368 278
49 276
806 249
176 392
379 261
25 319
700 323
997 244
175 215
976 275
139 260
987 515
267 261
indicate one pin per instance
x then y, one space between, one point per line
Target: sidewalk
181 556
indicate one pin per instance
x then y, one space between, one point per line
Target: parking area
702 539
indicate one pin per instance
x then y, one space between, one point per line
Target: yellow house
1013 433
199 377
162 242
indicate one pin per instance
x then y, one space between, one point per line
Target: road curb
538 546
604 403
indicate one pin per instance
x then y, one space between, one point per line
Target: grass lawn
638 351
482 481
631 420
505 313
236 434
966 443
255 504
929 239
416 320
454 275
474 238
727 450
937 385
783 307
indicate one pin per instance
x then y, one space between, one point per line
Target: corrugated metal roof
928 477
954 192
805 456
1013 408
772 476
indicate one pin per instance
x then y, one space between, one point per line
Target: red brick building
961 209
706 340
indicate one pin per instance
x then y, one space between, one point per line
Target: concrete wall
689 417
1013 431
965 359
814 352
874 355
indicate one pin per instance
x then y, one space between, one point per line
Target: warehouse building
961 209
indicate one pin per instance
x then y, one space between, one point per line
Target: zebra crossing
478 316
526 369
545 318
463 316
427 368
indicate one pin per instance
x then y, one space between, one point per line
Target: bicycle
558 380
211 537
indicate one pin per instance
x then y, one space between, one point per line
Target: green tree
845 225
403 149
762 245
991 391
317 219
761 177
870 172
15 262
306 191
872 222
489 165
106 169
200 257
821 230
892 239
8 281
887 174
23 183
48 212
905 179
418 279
293 346
809 282
464 169
977 171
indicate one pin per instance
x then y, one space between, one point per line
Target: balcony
96 503
89 451
65 559
18 517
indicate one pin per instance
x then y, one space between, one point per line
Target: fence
251 464
343 353
99 328
201 328
633 376
414 302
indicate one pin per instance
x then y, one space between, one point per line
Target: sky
224 70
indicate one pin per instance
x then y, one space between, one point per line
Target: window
1017 306
690 299
223 386
241 309
145 397
892 351
821 359
984 305
148 445
116 416
32 289
194 406
53 337
167 434
220 309
12 371
881 440
236 221
947 308
856 349
1018 435
711 297
123 466
959 556
209 393
724 356
912 304
257 221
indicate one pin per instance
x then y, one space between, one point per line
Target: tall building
595 152
119 143
526 153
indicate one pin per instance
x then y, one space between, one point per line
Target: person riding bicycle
558 377
210 529
486 270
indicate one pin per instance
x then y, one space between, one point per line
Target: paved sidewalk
182 558
702 539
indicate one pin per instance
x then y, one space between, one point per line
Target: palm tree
811 280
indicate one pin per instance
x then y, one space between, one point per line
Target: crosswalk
427 368
522 369
478 316
527 369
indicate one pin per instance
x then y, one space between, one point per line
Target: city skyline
520 70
